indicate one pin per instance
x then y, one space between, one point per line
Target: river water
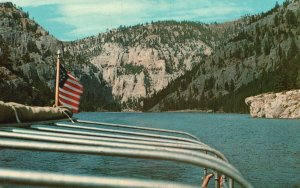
265 151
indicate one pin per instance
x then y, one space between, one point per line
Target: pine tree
267 48
4 54
276 5
298 79
231 85
293 50
279 52
291 18
226 86
276 20
258 47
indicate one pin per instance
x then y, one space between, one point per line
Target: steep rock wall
275 105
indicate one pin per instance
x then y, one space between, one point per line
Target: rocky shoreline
275 105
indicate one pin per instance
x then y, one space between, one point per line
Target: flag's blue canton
63 76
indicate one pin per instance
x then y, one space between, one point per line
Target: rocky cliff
141 60
163 65
260 55
119 68
27 65
275 105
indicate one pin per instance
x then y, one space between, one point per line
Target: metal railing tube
138 128
87 132
93 133
91 137
203 161
63 180
97 143
194 147
231 183
126 132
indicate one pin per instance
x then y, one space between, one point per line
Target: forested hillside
262 56
164 65
140 60
27 65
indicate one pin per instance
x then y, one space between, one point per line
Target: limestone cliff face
137 72
118 67
275 105
142 60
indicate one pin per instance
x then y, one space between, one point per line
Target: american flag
69 90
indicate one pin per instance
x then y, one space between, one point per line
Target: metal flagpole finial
58 53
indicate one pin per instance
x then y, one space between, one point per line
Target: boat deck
115 140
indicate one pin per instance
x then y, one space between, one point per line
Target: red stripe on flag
74 82
75 86
71 90
72 77
72 104
77 99
63 91
75 110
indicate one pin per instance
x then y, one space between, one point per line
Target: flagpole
57 77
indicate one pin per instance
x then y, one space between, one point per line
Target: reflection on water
267 152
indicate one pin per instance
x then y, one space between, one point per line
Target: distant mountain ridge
141 60
263 56
131 63
165 65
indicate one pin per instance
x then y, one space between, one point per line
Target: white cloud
115 13
35 3
89 17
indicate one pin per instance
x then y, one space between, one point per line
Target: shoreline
189 110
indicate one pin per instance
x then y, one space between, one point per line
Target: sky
75 19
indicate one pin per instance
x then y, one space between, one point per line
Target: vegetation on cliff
27 65
164 65
263 56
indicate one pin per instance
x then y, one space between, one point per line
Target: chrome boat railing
86 137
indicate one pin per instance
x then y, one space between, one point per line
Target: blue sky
75 19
